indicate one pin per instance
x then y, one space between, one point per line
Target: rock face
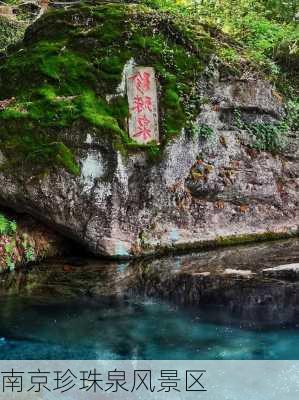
201 191
122 206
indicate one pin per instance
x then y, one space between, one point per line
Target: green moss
97 113
10 32
39 152
252 238
66 71
220 241
172 98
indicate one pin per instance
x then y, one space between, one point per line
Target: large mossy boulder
70 68
67 158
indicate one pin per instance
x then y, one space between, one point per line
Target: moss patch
72 60
220 241
10 32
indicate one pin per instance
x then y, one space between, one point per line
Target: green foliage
30 255
68 70
9 249
10 263
281 10
202 130
292 119
264 32
267 137
10 32
7 227
29 252
75 70
205 131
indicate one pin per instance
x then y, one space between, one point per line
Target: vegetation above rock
262 32
72 60
71 64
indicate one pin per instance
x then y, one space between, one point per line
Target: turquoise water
95 309
131 330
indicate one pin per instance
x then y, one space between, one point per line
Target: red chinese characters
142 98
143 103
142 81
143 128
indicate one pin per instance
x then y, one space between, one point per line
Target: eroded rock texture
201 191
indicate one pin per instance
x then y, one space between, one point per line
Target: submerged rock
288 272
195 280
68 160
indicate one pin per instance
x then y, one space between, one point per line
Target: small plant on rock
7 227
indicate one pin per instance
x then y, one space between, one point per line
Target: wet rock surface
231 281
285 272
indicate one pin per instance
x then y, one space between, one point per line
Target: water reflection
173 308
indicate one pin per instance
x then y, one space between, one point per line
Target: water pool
65 310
